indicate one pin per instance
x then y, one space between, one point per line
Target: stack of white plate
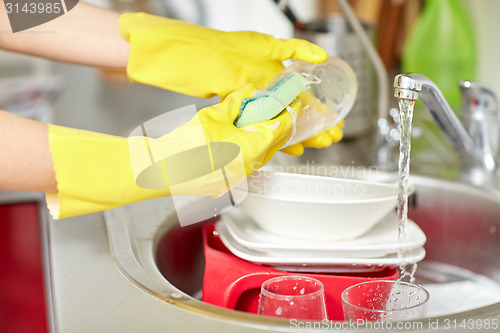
373 251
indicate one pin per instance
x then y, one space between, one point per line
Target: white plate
303 258
332 269
380 241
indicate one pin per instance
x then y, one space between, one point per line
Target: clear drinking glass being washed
293 297
384 300
331 93
322 94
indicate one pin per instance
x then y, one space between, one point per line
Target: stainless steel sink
462 224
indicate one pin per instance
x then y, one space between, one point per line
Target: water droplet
302 291
292 303
176 295
279 311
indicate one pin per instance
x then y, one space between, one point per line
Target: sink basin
461 222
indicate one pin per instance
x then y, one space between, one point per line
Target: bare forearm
86 35
25 158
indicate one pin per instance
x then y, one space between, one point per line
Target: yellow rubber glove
96 172
203 62
322 140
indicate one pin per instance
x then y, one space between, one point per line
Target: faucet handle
480 109
478 98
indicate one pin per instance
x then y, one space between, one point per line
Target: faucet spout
416 86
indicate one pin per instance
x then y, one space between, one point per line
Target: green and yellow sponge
267 106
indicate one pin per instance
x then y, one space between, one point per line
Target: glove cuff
93 173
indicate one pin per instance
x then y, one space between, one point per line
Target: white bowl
315 207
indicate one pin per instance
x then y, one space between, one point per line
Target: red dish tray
235 283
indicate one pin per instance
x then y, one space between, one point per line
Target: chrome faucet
476 141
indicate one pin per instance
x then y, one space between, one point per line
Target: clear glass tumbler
384 300
293 297
317 97
329 98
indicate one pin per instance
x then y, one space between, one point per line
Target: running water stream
406 107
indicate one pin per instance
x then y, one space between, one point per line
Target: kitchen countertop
90 294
